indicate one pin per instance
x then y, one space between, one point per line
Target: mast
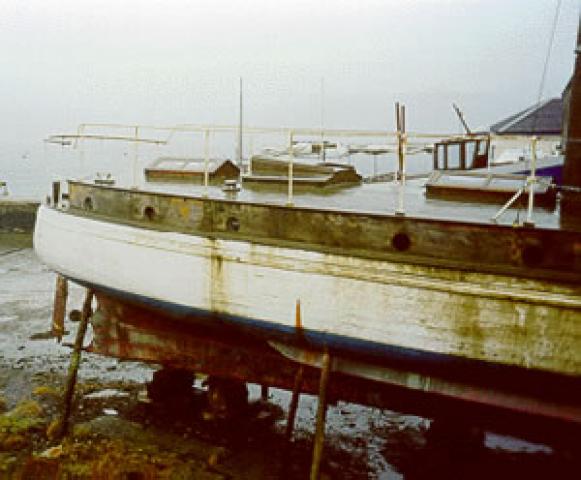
239 147
571 202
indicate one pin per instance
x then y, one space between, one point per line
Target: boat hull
501 399
356 304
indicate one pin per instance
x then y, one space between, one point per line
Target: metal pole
240 127
251 148
513 199
81 150
322 151
531 181
74 365
135 155
206 160
402 148
290 170
321 417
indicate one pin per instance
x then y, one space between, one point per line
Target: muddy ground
118 433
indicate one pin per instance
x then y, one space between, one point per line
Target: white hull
498 319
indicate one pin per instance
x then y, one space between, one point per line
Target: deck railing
399 142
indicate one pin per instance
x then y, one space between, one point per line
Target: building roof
544 118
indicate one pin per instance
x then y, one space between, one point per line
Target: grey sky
172 61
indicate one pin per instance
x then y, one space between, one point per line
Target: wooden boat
433 303
273 171
190 170
430 304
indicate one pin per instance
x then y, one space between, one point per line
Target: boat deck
374 198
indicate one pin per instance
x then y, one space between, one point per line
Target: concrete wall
17 216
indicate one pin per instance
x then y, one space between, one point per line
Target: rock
52 452
53 429
82 431
107 393
217 456
14 441
45 391
25 417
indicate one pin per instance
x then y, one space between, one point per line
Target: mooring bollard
74 365
321 417
59 308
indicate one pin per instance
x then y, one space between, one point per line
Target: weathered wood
454 244
74 365
294 403
321 417
495 318
190 170
59 308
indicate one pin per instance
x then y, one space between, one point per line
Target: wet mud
118 432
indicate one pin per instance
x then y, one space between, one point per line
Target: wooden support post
74 365
59 308
264 392
321 417
292 409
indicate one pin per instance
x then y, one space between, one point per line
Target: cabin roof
544 118
182 164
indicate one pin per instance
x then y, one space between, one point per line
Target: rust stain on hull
133 332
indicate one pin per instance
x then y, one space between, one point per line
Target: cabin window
470 152
441 156
454 155
482 144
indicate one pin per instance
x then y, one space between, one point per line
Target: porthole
401 242
149 213
532 255
88 204
233 224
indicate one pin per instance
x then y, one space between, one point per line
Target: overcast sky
174 61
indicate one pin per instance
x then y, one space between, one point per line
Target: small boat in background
175 169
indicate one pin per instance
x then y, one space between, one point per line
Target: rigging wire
546 64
